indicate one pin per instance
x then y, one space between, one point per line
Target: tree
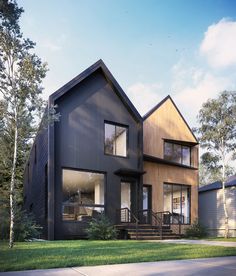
217 131
21 74
210 169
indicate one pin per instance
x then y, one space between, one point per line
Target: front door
147 204
128 200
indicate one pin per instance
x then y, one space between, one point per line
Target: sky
153 48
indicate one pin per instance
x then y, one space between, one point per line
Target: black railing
127 217
171 219
156 219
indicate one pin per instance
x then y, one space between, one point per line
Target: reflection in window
115 140
177 153
83 194
177 202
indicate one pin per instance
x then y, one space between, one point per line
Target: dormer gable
165 123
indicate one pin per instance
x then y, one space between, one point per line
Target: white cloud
144 96
191 97
51 46
219 44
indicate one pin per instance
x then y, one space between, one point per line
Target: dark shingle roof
231 181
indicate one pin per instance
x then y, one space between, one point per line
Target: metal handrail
172 217
130 215
153 219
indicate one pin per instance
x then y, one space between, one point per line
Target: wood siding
158 174
167 123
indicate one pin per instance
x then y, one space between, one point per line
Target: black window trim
127 138
182 145
94 205
190 199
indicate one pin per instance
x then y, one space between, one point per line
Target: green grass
222 239
40 255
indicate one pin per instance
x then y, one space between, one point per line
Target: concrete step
157 237
149 233
140 226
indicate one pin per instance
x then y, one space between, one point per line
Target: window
115 139
177 202
177 153
83 194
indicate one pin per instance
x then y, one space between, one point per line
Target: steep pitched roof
99 65
149 113
231 181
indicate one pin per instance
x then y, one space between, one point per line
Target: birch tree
217 131
21 74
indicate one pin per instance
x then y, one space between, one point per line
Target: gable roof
149 113
231 181
99 65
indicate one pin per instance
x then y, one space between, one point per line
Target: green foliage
196 230
25 226
217 134
210 169
21 75
100 228
217 119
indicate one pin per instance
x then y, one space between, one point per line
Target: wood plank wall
166 123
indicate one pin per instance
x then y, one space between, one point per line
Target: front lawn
40 255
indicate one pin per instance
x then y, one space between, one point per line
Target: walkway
211 266
206 242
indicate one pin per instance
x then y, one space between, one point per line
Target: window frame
127 138
104 206
181 145
190 199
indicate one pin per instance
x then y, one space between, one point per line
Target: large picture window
177 153
116 139
177 202
83 194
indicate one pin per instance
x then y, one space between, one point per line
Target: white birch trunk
12 187
226 234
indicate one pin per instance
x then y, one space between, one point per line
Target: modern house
102 156
211 208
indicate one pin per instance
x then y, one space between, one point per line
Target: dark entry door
147 204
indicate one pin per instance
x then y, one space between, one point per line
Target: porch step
146 232
168 237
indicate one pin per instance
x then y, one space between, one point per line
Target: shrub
100 228
25 226
196 230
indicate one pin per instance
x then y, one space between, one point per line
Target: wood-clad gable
166 123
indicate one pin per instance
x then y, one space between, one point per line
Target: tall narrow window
115 139
177 202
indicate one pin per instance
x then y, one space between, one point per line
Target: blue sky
153 48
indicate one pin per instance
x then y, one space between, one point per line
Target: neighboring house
211 209
102 156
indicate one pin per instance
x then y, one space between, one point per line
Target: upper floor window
116 139
177 153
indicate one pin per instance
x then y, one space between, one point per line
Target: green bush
100 228
196 230
25 226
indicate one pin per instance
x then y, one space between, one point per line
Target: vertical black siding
34 180
79 142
